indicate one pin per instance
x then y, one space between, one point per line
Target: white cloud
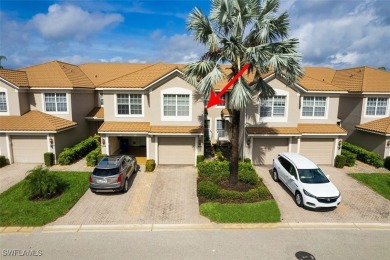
68 22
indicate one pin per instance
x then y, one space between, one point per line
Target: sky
332 33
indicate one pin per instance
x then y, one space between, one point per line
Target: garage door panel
319 150
28 149
176 150
266 149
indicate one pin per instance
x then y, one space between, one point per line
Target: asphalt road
201 244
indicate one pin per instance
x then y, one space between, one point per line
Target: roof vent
323 79
96 76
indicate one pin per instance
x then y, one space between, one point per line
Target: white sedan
310 186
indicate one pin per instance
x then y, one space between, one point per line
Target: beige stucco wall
3 146
369 141
330 114
253 116
12 97
350 109
364 118
24 102
37 102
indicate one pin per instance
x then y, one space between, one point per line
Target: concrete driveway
165 196
359 204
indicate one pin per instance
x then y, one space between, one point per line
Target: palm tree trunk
233 178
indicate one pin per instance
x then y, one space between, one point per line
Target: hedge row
350 157
92 157
3 161
210 190
363 155
70 155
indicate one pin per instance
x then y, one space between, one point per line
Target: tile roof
96 112
320 129
143 77
312 84
34 121
177 129
362 79
302 129
381 126
116 127
18 78
57 74
272 130
320 73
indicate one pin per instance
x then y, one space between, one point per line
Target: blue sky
333 33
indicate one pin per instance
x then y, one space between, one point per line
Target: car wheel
275 175
298 199
126 186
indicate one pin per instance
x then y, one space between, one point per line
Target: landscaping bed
17 208
249 202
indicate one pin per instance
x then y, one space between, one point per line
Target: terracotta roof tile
143 77
18 78
97 112
176 129
381 126
34 121
117 127
312 84
226 112
273 130
320 129
320 73
56 74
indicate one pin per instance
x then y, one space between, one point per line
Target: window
3 102
223 97
129 104
314 106
220 127
101 100
273 107
176 105
55 102
376 106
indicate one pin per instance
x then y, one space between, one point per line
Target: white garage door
28 149
266 149
176 150
319 150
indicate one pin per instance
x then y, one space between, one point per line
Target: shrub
220 156
3 161
70 155
339 161
42 184
49 159
150 165
363 155
214 170
208 189
247 160
92 157
351 157
387 162
199 158
247 174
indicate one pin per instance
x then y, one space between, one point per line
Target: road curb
194 227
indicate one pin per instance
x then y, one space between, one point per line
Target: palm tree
2 58
239 32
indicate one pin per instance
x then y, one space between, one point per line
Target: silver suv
310 186
113 173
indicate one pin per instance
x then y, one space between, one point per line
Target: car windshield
105 172
312 176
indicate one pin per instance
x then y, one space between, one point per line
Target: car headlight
308 194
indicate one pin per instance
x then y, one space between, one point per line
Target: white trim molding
176 91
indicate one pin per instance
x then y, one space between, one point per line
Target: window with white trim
220 127
314 106
55 102
273 107
129 104
3 102
223 98
176 105
376 106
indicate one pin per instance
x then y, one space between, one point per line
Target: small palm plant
239 32
41 184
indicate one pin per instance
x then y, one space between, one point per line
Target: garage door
266 149
319 150
176 150
29 149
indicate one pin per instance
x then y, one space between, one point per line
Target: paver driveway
166 196
12 174
359 204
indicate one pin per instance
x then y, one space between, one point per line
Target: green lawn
379 182
259 212
17 210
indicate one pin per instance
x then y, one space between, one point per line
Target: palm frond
241 94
